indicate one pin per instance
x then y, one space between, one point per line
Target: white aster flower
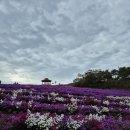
106 102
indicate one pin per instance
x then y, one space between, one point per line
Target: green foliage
116 78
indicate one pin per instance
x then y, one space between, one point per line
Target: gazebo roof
46 80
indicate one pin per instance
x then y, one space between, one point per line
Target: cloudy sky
61 38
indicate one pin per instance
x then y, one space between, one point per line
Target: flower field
40 107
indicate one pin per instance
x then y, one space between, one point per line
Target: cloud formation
59 39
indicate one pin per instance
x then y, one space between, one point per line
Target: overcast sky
60 38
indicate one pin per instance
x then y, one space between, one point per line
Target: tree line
114 79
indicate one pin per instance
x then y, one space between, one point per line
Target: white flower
1 101
14 96
122 103
104 109
96 108
18 104
30 104
31 93
95 117
42 121
19 90
49 98
74 101
106 102
59 99
74 124
54 94
119 97
58 118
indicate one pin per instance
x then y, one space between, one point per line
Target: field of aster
40 107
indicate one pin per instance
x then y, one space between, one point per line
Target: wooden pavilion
46 81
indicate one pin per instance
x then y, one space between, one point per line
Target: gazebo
46 81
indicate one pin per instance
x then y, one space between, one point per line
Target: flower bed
63 108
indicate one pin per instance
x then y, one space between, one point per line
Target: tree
104 78
124 73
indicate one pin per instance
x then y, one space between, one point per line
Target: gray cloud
59 39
